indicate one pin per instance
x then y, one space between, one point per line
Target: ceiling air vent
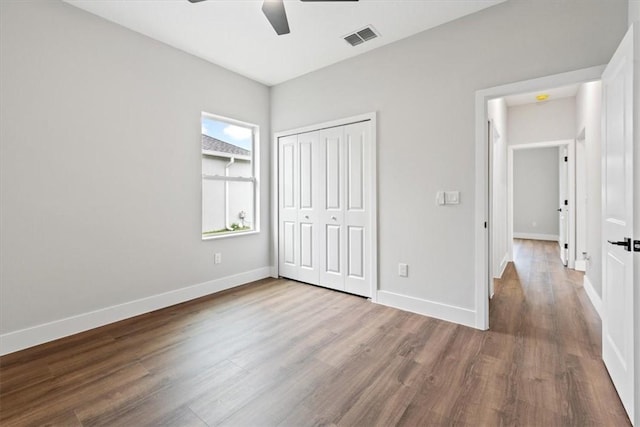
363 35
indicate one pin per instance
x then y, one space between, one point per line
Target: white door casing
563 208
617 217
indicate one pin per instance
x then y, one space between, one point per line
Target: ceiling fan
276 15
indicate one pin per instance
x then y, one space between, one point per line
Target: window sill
231 234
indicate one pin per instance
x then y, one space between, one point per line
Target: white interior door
563 210
617 182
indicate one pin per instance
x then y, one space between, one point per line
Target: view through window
229 183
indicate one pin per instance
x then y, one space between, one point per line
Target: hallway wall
588 120
536 193
551 120
498 114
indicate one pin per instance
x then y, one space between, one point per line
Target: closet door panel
309 188
355 172
357 207
332 255
333 175
332 236
289 238
306 174
288 177
355 252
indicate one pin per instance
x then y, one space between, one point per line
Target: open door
617 226
563 210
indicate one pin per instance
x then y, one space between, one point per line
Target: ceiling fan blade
195 1
276 15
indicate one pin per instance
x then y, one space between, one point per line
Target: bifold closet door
298 201
344 231
323 190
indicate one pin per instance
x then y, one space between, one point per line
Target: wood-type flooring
281 353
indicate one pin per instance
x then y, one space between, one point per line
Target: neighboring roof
213 144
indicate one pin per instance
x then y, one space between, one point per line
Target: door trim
571 148
482 270
373 190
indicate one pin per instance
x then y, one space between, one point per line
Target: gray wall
101 165
423 89
536 191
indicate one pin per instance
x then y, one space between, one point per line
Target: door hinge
566 246
566 203
566 158
485 224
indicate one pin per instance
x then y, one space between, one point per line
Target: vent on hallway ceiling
363 35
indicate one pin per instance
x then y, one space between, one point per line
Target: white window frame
255 178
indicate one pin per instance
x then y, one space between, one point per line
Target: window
229 177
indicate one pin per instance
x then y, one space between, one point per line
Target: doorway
541 196
484 206
618 202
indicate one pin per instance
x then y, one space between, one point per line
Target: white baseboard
503 266
536 236
29 337
581 265
593 295
446 312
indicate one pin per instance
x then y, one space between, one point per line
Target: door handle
333 218
559 209
306 217
626 243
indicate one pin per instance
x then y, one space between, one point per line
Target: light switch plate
403 270
452 197
440 198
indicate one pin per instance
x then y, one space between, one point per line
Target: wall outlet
403 270
217 258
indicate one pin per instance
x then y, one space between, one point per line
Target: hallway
545 325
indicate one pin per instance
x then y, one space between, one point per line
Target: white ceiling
236 35
530 97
